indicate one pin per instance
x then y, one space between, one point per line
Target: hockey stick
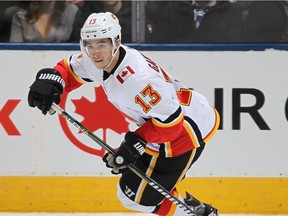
131 166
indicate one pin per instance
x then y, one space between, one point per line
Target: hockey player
174 121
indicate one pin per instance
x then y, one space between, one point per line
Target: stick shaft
132 167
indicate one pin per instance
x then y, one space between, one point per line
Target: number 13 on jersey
154 96
184 97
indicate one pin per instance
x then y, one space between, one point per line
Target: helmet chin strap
112 57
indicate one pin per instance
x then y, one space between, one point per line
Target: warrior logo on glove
52 77
46 89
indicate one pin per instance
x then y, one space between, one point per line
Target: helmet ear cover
82 45
117 40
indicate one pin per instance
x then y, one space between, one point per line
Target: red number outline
153 94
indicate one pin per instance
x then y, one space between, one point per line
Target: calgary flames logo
98 114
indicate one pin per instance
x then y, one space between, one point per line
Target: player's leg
200 209
168 208
137 195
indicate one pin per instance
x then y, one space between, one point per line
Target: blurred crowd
191 21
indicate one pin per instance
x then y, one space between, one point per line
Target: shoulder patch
80 56
125 74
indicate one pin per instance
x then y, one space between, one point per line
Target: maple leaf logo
124 73
100 114
96 115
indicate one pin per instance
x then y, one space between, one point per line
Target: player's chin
100 65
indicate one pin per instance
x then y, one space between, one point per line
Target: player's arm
72 81
50 83
154 130
159 131
158 102
165 125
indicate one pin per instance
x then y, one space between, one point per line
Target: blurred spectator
43 21
266 22
122 9
7 10
199 21
153 10
244 5
285 35
85 9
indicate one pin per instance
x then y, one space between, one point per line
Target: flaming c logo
97 114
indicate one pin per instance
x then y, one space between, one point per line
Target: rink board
89 194
242 170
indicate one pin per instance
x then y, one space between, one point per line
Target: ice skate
200 209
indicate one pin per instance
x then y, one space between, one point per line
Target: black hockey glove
46 89
130 149
109 160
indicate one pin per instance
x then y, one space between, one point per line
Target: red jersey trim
215 127
171 124
71 80
192 135
69 69
143 183
157 134
167 207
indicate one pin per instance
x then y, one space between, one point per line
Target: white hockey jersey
172 118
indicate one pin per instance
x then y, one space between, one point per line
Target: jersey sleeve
155 130
157 100
78 70
71 80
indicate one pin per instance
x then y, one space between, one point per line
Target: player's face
100 51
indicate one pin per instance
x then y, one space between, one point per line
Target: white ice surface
108 214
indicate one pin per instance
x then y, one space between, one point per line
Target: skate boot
200 209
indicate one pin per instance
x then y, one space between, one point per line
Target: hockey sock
167 207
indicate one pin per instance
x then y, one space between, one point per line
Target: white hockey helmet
101 25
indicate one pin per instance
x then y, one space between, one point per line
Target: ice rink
109 214
72 214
